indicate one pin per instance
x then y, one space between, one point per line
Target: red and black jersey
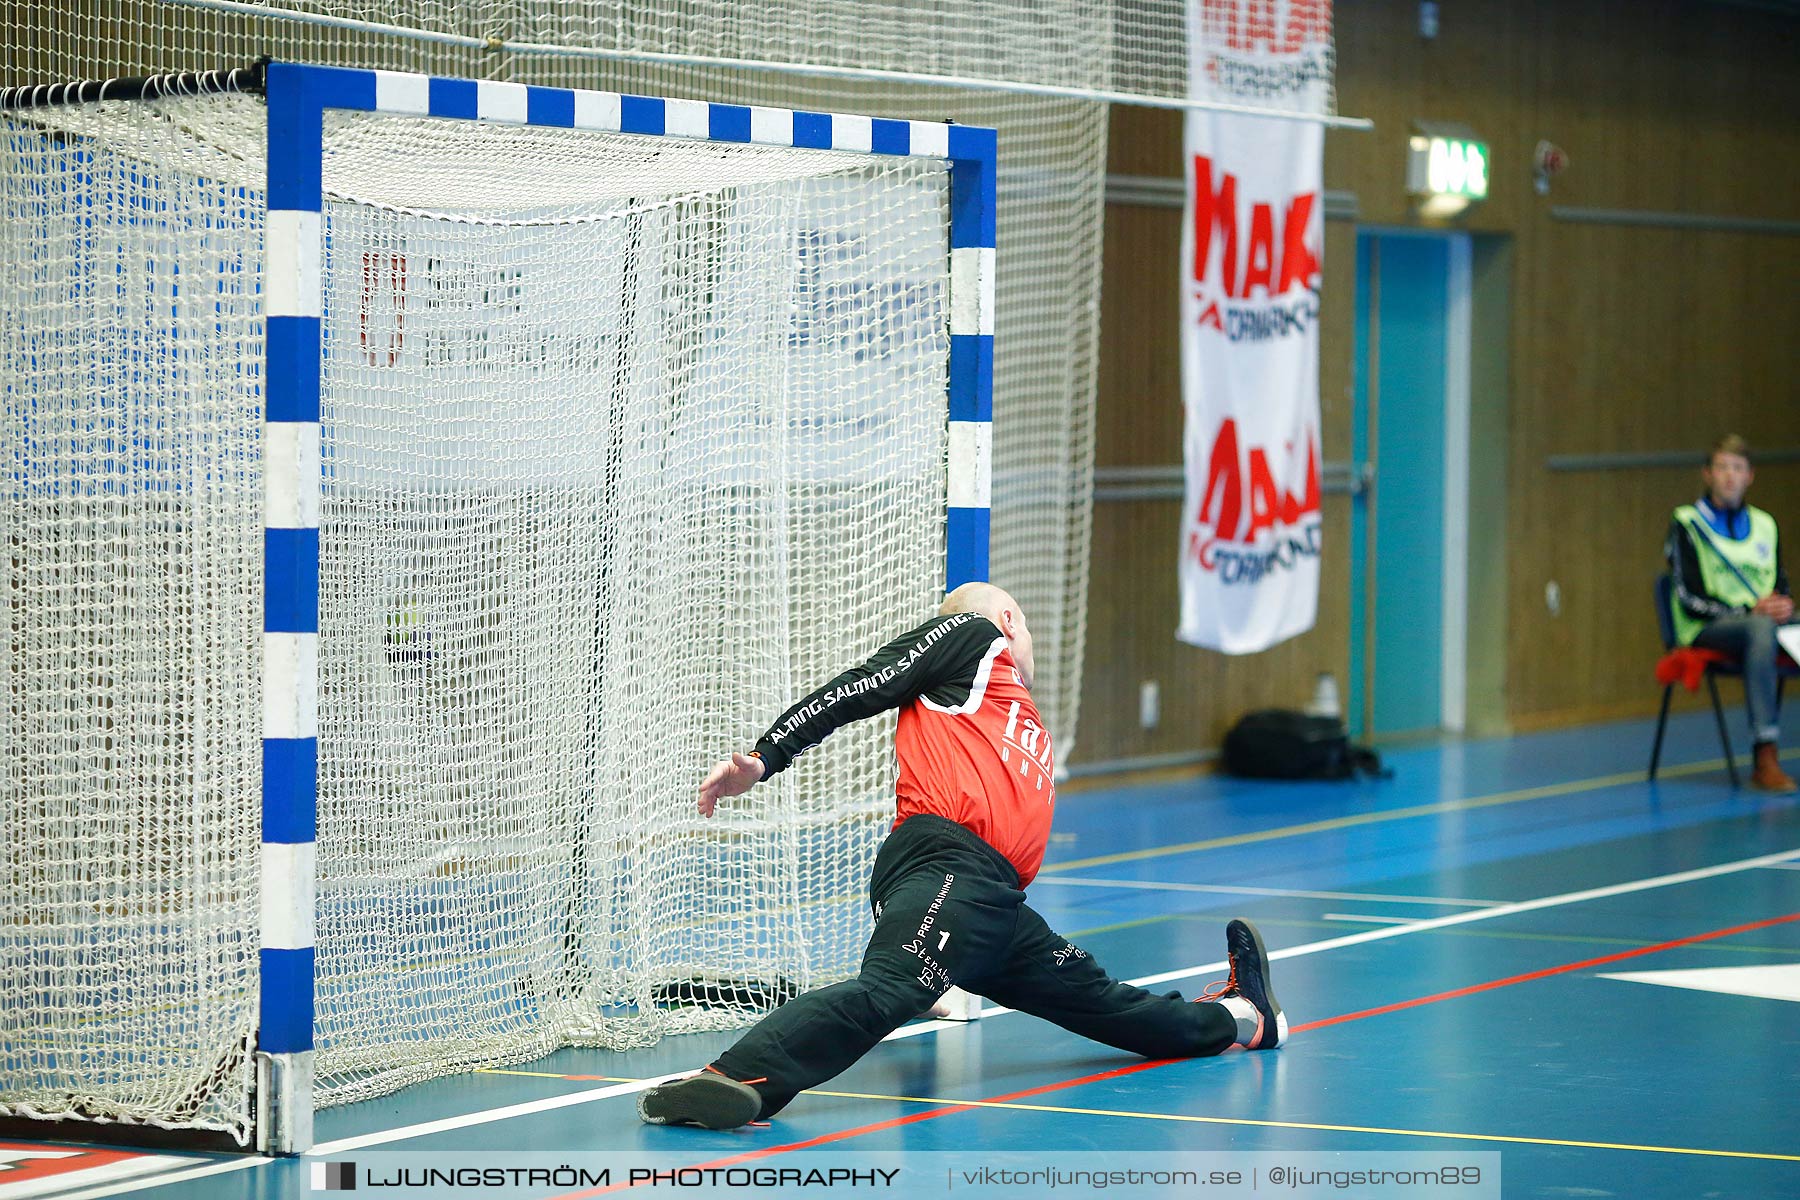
971 746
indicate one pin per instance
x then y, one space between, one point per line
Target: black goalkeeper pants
947 911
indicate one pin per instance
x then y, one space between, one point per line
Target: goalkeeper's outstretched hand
731 778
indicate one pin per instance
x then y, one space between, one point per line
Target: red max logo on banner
1216 212
1222 505
1274 266
1249 26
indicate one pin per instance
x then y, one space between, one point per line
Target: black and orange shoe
710 1099
1246 992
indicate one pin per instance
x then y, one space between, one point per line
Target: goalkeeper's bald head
998 606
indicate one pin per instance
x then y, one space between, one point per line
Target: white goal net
627 443
962 59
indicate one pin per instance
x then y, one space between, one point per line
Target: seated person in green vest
1731 590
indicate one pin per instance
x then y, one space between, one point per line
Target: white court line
1486 914
344 1145
142 1184
119 1175
1786 866
1462 918
1369 919
1237 890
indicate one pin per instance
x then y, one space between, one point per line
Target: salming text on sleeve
936 653
970 743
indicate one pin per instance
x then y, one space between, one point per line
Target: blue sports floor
1447 947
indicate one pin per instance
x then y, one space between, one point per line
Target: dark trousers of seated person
947 911
1750 638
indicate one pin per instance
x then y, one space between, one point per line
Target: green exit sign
1447 166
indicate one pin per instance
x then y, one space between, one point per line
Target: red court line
933 1113
1547 972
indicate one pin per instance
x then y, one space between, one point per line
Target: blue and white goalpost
583 430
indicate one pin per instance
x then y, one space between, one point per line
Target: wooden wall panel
1644 339
1623 339
1672 345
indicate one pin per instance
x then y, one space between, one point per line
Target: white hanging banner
1250 279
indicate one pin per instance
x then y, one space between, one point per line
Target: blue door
1403 348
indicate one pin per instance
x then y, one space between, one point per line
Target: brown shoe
1768 776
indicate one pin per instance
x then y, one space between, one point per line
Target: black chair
1713 664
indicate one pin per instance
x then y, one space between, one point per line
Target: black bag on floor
1277 743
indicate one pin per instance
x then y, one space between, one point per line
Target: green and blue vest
1735 571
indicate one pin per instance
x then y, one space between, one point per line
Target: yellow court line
1506 935
547 1075
1430 1133
1374 818
941 1102
1078 933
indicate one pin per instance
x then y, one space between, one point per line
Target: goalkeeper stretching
974 804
